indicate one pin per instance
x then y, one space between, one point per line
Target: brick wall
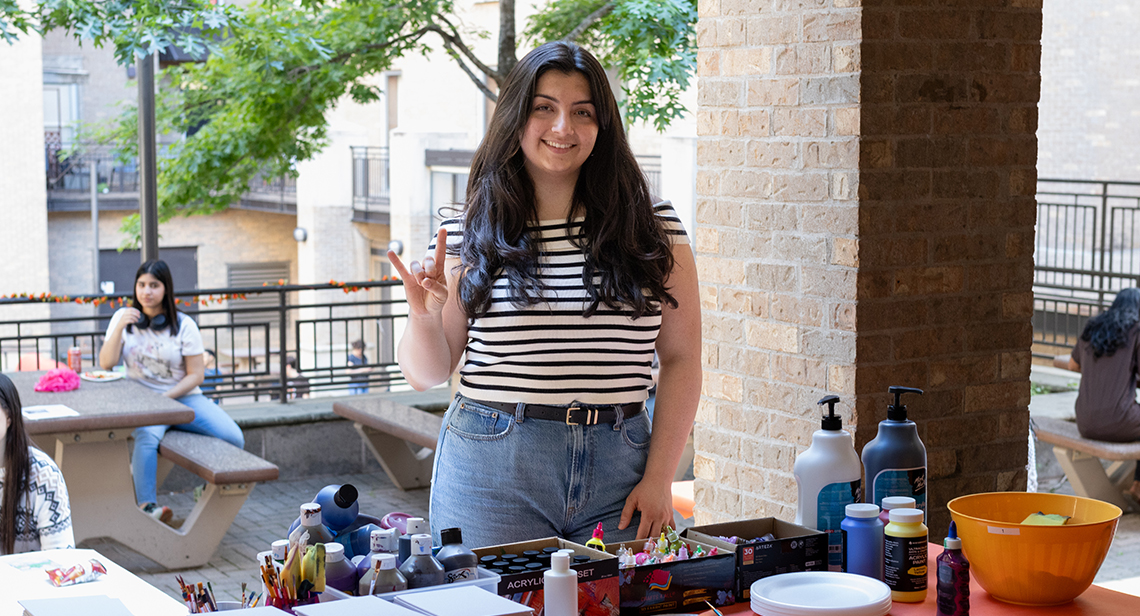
865 219
1089 87
778 160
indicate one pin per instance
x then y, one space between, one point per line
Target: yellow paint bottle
905 553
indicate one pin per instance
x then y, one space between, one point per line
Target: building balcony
371 196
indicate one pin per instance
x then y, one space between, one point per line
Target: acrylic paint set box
678 586
796 548
597 580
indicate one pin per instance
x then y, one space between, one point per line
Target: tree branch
454 39
341 57
588 21
474 78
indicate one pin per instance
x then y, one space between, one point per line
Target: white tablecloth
23 576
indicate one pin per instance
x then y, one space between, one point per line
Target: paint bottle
383 541
312 524
421 568
830 477
338 505
458 561
863 540
953 577
383 570
339 573
904 556
894 502
415 526
280 547
560 587
895 460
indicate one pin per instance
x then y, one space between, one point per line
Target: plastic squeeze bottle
895 460
458 561
383 571
560 587
415 526
383 541
339 573
338 507
829 477
421 568
312 524
863 532
953 577
904 552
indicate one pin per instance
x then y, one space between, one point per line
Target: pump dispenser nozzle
831 421
897 411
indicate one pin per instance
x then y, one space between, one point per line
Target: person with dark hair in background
163 350
210 381
1107 356
356 357
557 283
35 513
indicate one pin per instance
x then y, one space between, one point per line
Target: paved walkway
267 514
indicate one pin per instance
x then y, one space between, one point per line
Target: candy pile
667 549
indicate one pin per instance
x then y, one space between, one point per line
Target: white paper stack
465 601
355 606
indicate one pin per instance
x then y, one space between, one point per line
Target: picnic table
92 448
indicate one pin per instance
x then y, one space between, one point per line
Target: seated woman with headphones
162 349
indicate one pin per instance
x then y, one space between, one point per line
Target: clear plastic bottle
383 570
381 541
339 573
458 561
953 577
421 568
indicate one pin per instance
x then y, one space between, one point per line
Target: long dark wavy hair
1108 330
17 465
621 238
160 270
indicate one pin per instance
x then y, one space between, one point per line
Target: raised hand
425 284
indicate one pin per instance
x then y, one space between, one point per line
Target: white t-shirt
156 359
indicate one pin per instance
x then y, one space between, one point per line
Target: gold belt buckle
571 409
591 416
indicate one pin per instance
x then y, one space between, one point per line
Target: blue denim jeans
209 419
503 478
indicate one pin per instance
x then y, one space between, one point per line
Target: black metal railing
371 197
117 182
321 323
1087 248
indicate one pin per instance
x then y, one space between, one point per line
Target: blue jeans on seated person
504 478
209 419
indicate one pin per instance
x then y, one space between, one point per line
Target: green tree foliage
276 67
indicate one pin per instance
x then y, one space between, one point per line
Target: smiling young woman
557 284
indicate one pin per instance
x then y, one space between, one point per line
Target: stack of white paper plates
820 593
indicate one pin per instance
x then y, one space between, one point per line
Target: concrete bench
230 474
402 437
1080 458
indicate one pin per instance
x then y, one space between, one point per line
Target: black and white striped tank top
548 353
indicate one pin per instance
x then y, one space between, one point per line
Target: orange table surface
1095 601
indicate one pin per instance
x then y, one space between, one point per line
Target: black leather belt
573 415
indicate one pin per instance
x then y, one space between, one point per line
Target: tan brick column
865 219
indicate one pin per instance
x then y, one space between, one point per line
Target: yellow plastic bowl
1033 565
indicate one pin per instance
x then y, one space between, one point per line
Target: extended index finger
440 247
394 259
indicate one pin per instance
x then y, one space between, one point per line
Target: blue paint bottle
863 538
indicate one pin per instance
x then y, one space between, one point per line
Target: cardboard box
796 548
597 580
679 586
